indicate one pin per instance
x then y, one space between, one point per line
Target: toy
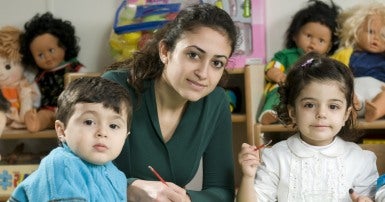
50 46
17 94
312 29
362 35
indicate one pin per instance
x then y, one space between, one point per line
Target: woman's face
371 35
197 62
46 51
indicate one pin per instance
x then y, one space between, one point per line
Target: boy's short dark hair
93 90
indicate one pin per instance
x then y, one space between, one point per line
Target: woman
180 115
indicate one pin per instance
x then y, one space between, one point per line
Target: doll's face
11 72
314 36
46 51
371 35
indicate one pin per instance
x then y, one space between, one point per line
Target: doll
362 37
311 29
50 45
17 92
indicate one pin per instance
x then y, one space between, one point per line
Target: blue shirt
368 64
64 176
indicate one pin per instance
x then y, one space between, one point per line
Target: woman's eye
218 64
193 55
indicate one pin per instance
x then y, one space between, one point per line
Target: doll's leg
39 120
375 108
3 122
268 115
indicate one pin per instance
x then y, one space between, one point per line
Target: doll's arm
26 96
274 72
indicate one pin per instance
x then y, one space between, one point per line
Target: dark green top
204 131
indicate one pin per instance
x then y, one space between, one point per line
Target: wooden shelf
238 118
235 70
24 134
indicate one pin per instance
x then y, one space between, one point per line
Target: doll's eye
8 67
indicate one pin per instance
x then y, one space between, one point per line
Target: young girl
362 49
311 29
317 161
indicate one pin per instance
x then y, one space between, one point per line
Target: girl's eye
88 122
193 55
334 107
308 105
114 126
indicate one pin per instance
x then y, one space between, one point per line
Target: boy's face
94 133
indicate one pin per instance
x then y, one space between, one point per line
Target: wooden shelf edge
25 134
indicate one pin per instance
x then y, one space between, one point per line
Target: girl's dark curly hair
314 67
316 11
43 24
146 64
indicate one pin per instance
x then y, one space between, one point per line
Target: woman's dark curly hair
314 67
316 11
146 64
43 24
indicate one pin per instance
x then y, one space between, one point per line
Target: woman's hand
249 160
142 190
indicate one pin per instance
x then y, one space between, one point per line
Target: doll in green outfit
312 29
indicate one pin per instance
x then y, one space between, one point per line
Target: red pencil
157 175
262 145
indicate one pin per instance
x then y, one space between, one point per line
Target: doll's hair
63 30
314 67
10 44
316 11
351 19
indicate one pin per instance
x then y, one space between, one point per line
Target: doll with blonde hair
362 48
18 94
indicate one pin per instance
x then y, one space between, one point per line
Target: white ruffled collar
303 150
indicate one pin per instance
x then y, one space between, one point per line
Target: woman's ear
59 128
291 111
163 51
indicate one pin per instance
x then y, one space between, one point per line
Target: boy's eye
114 126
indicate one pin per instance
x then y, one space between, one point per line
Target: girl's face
314 36
320 111
94 133
197 62
371 35
46 51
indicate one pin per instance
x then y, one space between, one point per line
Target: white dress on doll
295 171
366 88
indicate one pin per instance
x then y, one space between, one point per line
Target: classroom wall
93 21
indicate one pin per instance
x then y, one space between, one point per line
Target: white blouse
293 170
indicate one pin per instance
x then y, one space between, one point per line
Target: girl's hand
249 160
356 198
142 190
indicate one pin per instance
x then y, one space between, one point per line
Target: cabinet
10 175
